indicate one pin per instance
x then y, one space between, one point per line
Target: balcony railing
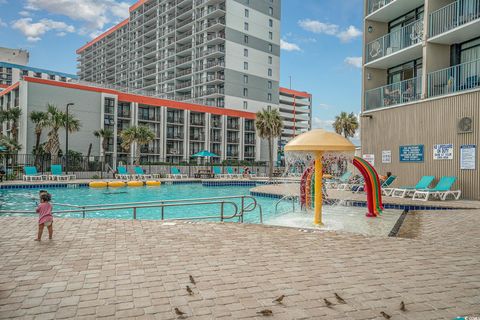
395 41
374 5
458 78
393 94
454 15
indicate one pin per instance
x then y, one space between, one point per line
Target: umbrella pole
318 188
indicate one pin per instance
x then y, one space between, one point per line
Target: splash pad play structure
319 143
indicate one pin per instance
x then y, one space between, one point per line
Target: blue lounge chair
404 192
57 173
140 174
441 191
176 174
218 172
123 173
231 174
31 174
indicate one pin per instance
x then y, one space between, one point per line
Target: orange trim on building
10 88
137 4
103 35
4 86
128 97
295 93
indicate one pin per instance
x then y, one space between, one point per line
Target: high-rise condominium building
14 66
222 53
421 90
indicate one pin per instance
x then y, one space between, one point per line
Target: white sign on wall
468 154
387 156
443 152
369 158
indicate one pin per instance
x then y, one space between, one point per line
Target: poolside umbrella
205 154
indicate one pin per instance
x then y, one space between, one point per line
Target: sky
321 43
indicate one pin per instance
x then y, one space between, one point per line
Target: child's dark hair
46 197
42 191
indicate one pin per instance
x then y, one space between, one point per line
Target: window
245 52
51 77
270 11
245 92
245 26
245 105
270 35
269 72
245 66
269 97
38 74
247 13
270 23
109 106
24 72
245 38
270 47
270 59
245 79
269 84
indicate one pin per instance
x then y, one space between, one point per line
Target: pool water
336 218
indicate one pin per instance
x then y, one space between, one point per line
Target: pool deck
114 269
294 190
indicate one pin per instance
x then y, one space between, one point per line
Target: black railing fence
98 167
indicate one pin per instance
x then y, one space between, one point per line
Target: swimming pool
336 218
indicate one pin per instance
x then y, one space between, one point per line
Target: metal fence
374 5
99 167
393 94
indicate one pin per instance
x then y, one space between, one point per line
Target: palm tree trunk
270 157
37 146
137 154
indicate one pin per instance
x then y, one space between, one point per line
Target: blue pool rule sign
412 153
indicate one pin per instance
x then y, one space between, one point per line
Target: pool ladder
247 204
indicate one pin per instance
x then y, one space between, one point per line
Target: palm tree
346 124
39 118
104 135
11 145
269 125
140 135
57 120
12 116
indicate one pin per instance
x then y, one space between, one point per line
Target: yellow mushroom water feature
318 142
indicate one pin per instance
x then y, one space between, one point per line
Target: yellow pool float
135 183
153 183
116 184
98 184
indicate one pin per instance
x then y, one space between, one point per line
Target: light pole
66 137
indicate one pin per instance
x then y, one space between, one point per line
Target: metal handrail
163 204
287 197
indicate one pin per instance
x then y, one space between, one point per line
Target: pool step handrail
162 204
290 197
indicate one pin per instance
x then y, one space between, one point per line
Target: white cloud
24 13
331 29
349 34
322 124
288 46
2 24
35 30
95 13
354 61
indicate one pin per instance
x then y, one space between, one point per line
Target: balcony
174 120
175 136
200 138
387 10
396 47
462 77
394 94
455 23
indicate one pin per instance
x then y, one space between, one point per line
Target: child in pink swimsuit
45 218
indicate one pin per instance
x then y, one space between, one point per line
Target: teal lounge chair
57 173
123 173
176 174
404 192
441 191
335 183
386 190
140 174
218 172
31 174
231 174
